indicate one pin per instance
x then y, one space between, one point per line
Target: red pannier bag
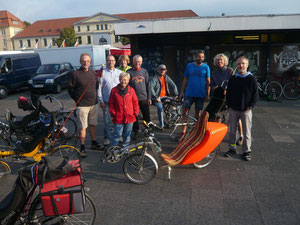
64 195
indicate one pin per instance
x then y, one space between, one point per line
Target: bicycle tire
168 109
66 151
274 87
4 171
137 172
36 214
291 90
69 129
206 161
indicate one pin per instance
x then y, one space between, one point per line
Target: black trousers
144 107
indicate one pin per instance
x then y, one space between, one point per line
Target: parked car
16 69
51 77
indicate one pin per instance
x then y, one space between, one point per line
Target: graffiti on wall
152 58
288 59
253 56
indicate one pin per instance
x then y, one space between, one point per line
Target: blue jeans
118 131
160 113
107 122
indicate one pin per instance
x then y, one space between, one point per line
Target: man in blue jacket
161 86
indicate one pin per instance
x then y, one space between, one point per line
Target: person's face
123 63
242 66
124 82
162 72
137 63
220 62
200 58
110 62
85 62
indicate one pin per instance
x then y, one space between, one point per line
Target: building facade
10 25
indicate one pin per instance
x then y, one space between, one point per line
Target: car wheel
3 91
58 89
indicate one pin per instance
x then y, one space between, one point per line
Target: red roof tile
158 15
47 27
6 19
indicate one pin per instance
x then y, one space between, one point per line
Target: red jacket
123 109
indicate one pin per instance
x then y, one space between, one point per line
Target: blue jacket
171 87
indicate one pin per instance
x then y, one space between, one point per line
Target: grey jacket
171 87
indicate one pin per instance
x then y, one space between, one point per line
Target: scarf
124 91
242 75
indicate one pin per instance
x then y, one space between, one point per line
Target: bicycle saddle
19 125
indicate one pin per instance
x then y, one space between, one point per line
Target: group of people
124 91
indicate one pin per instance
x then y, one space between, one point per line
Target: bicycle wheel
66 151
291 90
206 161
36 214
4 171
69 129
139 168
274 89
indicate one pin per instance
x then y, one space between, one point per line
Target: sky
33 10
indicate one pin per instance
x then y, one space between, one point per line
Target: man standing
161 86
109 79
241 97
84 83
195 87
139 81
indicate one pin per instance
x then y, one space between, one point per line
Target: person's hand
181 96
102 105
158 100
149 102
176 97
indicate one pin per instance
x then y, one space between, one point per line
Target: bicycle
270 89
140 166
291 90
71 204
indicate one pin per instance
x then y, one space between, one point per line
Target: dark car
51 77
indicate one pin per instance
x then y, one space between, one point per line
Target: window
53 41
89 41
28 43
87 28
3 32
6 65
68 67
105 26
116 38
21 43
78 28
97 27
101 26
4 43
15 22
80 40
45 41
36 40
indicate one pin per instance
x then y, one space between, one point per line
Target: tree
67 34
27 23
124 40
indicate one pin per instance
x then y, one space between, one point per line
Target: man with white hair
140 82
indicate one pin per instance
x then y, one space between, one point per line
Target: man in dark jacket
162 85
241 96
83 80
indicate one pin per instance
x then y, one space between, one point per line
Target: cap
162 67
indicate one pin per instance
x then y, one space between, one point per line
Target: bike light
30 82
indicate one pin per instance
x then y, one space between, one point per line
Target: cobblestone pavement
229 191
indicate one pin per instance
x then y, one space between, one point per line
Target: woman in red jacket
123 108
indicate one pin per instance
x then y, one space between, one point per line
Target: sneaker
83 153
106 142
247 156
97 146
230 153
239 141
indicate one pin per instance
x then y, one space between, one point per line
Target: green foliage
67 34
27 23
124 40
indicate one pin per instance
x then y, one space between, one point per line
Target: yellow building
9 26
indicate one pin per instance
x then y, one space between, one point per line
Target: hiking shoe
106 142
239 141
247 156
230 153
97 146
83 153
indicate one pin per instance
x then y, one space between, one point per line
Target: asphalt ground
228 191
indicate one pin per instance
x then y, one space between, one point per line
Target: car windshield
48 69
